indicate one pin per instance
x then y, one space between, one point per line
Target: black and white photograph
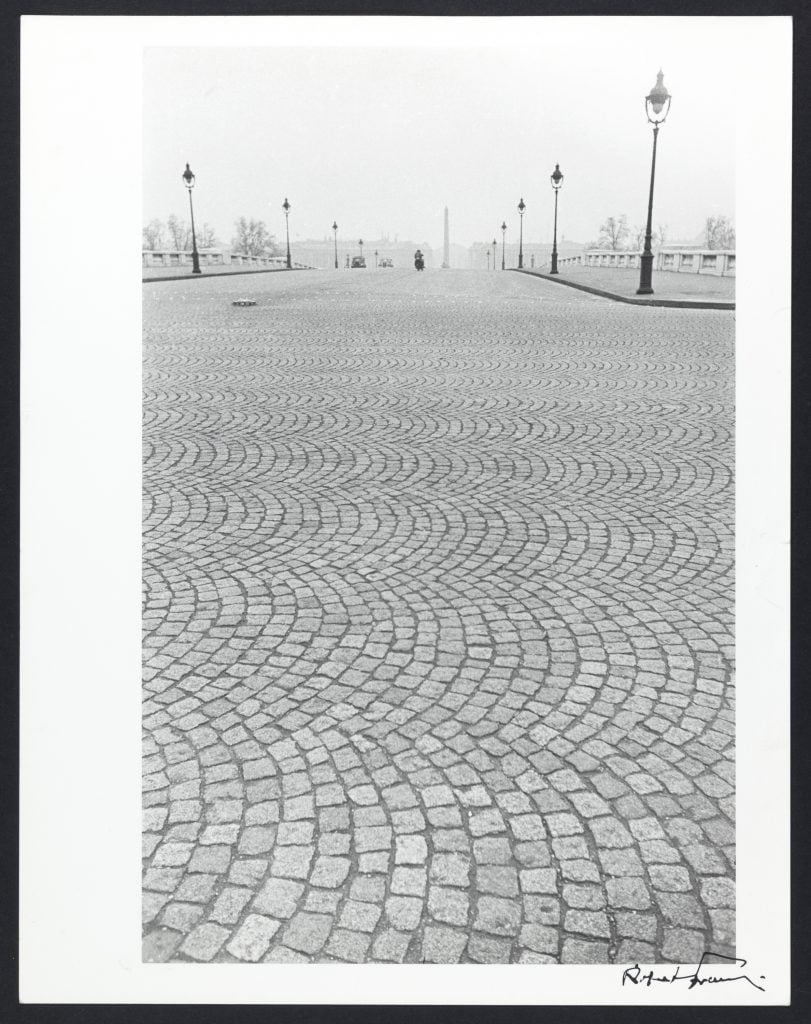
455 597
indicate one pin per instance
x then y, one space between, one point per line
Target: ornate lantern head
658 100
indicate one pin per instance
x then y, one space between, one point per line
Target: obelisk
446 249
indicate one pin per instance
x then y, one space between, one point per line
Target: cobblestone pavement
438 622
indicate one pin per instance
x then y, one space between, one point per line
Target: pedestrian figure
419 260
532 260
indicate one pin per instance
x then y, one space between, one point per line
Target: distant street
438 606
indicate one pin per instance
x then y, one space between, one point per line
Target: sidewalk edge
672 303
219 273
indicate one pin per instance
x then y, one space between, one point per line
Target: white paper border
81 464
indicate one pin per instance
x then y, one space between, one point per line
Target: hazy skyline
382 139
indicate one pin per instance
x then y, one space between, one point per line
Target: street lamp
503 242
557 184
488 259
360 243
495 250
286 208
189 179
521 208
656 102
335 232
375 257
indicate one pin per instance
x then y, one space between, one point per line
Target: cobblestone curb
672 303
218 273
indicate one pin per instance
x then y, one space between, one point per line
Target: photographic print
439 508
424 490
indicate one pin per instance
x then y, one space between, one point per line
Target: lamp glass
658 97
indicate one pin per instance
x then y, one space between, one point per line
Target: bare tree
253 238
206 238
657 237
179 233
719 233
614 232
152 235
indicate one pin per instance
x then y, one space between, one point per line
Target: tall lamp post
488 259
375 257
360 243
286 208
521 207
656 102
495 250
189 180
335 233
503 242
557 184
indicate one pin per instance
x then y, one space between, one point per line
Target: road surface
438 622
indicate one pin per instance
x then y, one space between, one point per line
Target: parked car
358 261
386 262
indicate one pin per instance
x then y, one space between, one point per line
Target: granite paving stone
229 905
204 942
391 946
252 940
442 944
181 916
307 932
160 944
683 945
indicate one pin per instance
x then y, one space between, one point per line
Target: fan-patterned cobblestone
438 622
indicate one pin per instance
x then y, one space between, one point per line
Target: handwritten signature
637 976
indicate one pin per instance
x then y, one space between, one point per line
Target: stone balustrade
242 259
697 261
687 261
179 258
208 258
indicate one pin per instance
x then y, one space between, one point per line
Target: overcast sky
381 139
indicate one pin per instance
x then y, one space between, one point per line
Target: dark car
358 261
